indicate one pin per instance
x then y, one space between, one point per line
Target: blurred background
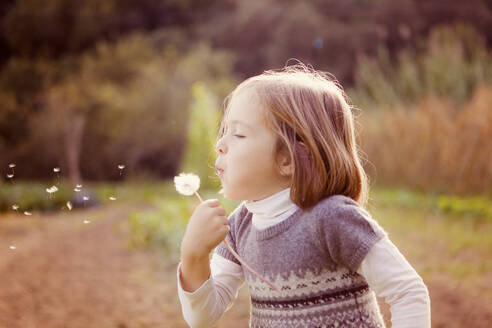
102 103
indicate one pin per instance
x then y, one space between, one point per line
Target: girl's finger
213 202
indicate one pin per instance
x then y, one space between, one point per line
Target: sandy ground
64 273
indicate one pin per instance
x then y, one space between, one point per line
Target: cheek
254 160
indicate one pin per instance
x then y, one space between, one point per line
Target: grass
448 245
451 240
438 241
440 234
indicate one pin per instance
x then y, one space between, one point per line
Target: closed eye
239 136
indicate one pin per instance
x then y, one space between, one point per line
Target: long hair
310 114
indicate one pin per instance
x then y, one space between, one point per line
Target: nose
219 147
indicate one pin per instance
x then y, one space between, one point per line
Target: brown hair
309 112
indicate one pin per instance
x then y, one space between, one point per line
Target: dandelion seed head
187 183
56 169
10 176
27 213
69 205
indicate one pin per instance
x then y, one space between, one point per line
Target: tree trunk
73 147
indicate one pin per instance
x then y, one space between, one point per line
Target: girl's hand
207 227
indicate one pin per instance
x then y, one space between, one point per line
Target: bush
32 196
164 227
450 64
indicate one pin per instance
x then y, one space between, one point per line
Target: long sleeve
390 275
206 305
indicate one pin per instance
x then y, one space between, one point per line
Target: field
64 273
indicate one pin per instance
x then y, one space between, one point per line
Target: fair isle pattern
311 257
332 299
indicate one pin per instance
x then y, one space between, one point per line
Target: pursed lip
220 171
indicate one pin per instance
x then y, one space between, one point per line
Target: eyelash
239 136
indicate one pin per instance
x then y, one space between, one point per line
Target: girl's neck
272 209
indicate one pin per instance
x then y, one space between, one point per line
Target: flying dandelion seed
85 198
78 186
10 176
27 213
87 221
76 189
69 205
15 207
112 198
12 247
12 165
57 171
121 167
52 189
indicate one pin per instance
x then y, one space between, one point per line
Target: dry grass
432 146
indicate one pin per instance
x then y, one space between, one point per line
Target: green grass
439 234
437 241
32 196
475 208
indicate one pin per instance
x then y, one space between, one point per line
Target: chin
230 195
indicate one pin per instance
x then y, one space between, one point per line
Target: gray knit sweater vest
312 257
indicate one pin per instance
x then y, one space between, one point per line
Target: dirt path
64 273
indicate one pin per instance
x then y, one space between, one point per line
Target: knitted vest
311 256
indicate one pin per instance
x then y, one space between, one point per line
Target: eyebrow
242 123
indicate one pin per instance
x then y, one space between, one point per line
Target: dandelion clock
188 184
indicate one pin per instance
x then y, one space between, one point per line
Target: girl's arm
206 305
390 275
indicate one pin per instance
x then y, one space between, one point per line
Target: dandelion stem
239 258
249 268
198 195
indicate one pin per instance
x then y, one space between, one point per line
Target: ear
286 166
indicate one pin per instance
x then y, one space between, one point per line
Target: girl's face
245 162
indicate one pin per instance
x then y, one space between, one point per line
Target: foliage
32 196
476 208
164 226
450 64
132 97
202 134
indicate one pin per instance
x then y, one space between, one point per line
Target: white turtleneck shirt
385 269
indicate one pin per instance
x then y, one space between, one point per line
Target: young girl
287 150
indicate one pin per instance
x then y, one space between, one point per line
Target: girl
287 149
